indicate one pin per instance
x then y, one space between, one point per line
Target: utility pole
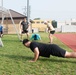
24 12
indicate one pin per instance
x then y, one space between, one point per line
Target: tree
54 23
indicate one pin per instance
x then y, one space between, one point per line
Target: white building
67 26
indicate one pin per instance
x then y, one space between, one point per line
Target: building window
33 22
37 22
42 21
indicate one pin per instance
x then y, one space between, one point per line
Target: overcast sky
59 10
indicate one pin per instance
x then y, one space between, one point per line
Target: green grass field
14 59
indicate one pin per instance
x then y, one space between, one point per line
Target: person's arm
20 27
36 54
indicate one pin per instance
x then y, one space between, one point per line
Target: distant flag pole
2 11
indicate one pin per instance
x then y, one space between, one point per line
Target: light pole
28 15
2 3
28 10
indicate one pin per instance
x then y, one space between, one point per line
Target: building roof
15 15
